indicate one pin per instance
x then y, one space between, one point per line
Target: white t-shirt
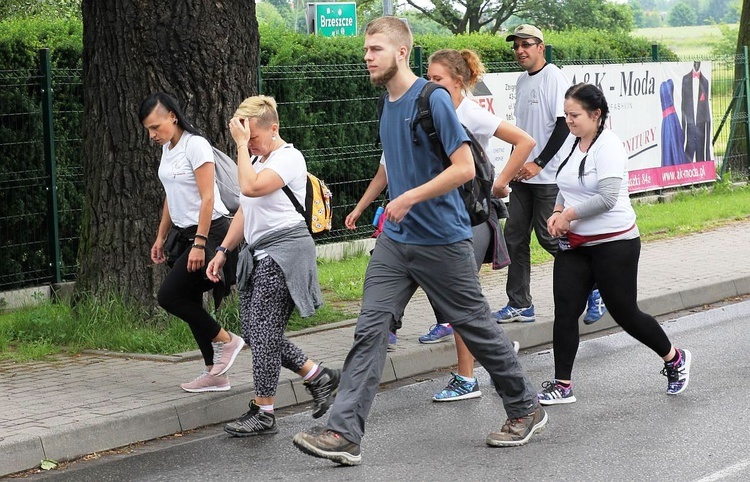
540 100
480 122
606 159
177 175
275 211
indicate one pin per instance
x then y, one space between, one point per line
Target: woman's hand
239 127
157 251
196 259
558 225
499 191
214 267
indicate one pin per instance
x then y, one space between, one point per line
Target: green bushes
20 41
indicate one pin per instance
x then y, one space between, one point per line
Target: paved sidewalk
74 406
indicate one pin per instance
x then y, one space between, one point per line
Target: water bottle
378 212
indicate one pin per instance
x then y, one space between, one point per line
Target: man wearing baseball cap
526 31
540 94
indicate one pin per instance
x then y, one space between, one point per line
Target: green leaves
48 464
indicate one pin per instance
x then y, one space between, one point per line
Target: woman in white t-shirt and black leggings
277 269
193 222
599 244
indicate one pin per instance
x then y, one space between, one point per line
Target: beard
379 80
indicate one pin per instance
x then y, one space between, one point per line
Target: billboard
660 111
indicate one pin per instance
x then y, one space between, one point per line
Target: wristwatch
222 249
540 162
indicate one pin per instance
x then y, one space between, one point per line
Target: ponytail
464 66
562 164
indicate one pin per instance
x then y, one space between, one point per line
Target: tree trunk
203 52
737 156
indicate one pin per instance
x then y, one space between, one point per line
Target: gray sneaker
253 422
225 353
328 445
205 382
323 388
518 431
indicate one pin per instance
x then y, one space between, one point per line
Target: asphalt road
622 428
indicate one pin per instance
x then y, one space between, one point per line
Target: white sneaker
205 382
225 353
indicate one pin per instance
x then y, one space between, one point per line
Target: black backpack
476 193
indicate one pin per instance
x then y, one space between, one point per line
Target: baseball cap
525 31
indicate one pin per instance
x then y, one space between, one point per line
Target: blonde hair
260 107
395 30
464 65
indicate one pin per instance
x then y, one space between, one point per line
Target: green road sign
336 18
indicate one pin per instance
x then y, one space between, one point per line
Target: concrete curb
131 426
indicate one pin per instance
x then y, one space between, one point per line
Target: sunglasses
523 45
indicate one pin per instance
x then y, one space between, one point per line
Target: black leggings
613 266
181 294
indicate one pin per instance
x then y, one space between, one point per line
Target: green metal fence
331 119
41 188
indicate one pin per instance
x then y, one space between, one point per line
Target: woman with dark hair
193 222
599 243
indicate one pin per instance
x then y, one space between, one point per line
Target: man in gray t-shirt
540 95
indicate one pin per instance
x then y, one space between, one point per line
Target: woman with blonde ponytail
459 72
599 243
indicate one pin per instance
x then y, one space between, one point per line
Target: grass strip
38 331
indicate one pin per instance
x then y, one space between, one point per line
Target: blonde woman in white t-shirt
599 243
277 269
459 72
193 222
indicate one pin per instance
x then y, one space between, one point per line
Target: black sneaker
323 387
328 445
518 431
253 422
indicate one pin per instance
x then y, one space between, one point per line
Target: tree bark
202 51
737 156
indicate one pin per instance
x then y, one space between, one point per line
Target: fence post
260 79
655 52
548 53
747 98
418 67
49 163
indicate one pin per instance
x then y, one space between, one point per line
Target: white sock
313 371
468 379
266 408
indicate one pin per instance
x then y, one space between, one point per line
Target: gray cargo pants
449 277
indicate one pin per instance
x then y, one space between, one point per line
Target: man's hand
527 171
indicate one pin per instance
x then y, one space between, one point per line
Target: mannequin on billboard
696 115
672 135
